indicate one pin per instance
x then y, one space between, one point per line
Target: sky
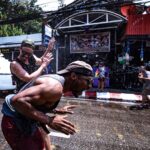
48 5
145 2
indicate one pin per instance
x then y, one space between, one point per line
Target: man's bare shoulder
53 89
50 85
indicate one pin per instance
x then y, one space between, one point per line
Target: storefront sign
89 43
4 50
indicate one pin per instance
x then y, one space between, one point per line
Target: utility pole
61 5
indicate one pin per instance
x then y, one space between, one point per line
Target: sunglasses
28 45
24 53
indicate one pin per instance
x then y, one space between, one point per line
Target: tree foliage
10 10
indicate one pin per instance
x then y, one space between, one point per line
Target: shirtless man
27 110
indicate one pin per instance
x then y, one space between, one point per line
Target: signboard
89 43
4 50
47 35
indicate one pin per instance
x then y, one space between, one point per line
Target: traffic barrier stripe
108 95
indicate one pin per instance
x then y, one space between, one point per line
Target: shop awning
138 25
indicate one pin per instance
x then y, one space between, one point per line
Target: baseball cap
28 43
79 67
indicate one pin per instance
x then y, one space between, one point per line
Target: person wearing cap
30 108
28 66
144 76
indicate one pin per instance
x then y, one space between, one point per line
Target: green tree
10 10
9 30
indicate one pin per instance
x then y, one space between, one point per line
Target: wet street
102 126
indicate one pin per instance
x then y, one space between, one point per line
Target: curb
109 96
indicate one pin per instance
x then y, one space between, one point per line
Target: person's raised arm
48 50
143 78
24 75
25 101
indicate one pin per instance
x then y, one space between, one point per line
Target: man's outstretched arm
23 103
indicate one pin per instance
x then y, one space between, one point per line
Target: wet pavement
102 126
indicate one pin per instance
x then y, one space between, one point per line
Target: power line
45 3
22 18
63 10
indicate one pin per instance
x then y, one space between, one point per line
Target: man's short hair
79 67
28 43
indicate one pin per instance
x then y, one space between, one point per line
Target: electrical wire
74 6
46 3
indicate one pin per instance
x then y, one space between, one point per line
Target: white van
6 83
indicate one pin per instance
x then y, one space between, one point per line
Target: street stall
134 52
86 31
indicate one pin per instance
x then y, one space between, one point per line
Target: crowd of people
101 73
26 120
